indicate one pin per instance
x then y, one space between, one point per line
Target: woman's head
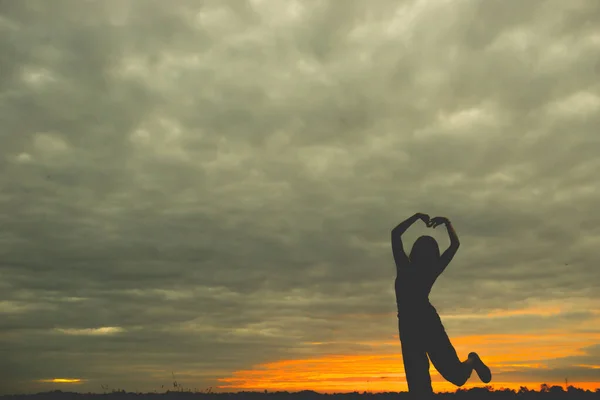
425 251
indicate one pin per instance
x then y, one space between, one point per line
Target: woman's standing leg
416 365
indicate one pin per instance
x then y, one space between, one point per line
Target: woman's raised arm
397 247
454 242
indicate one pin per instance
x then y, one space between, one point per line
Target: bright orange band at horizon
383 371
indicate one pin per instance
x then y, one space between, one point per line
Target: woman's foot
482 370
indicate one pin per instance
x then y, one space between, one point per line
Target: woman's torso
412 286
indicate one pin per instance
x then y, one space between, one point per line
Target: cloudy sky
208 188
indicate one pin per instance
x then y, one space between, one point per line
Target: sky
205 190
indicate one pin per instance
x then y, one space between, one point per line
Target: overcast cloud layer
204 186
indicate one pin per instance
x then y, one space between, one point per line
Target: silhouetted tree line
545 393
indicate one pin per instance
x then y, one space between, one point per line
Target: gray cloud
185 172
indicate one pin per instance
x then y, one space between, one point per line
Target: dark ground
545 393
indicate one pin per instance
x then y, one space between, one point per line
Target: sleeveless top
413 285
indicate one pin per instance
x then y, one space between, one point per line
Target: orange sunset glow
60 380
507 355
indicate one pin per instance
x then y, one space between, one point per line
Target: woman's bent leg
444 357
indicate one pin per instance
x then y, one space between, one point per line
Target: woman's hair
425 250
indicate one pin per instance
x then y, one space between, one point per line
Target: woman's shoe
482 370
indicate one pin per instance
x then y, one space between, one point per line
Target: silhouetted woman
420 327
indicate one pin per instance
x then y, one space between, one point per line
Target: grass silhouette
546 392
